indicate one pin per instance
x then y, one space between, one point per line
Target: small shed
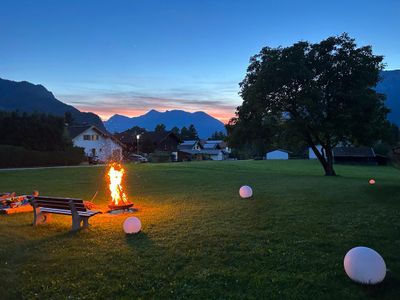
277 154
354 155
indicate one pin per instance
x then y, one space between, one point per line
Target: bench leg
85 222
40 217
76 222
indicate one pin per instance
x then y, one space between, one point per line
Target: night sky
131 56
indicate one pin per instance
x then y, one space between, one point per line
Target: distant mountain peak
28 97
205 124
390 86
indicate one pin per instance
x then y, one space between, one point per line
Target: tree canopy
321 93
218 135
189 133
33 131
160 128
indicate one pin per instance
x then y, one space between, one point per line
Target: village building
190 150
203 150
277 154
356 155
150 142
96 143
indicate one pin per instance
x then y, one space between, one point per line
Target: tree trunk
326 162
329 171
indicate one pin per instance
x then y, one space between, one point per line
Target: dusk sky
131 56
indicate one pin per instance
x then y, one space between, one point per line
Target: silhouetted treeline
33 131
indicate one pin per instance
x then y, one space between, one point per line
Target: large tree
323 92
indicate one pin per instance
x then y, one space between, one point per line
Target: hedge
159 157
15 157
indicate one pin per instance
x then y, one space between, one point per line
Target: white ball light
132 225
364 265
245 191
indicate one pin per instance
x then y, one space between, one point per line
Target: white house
96 142
277 154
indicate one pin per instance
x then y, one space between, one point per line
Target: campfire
119 200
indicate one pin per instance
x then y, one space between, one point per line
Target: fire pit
119 201
120 207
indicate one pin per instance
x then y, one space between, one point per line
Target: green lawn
200 240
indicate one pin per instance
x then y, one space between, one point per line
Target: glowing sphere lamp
364 265
245 191
132 225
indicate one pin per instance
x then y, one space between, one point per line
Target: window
93 137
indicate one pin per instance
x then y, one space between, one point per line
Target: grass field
200 240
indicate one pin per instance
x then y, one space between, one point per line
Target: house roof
213 144
125 137
188 145
202 151
210 146
192 142
129 137
157 137
185 147
353 152
282 150
74 131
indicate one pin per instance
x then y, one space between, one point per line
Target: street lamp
137 147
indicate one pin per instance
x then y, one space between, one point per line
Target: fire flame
115 175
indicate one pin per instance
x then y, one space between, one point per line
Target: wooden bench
43 207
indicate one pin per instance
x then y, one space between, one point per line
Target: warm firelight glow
115 174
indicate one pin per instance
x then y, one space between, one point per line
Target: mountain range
390 86
205 124
27 97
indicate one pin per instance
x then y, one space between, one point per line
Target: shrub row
15 157
159 157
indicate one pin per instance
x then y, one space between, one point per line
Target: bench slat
57 206
44 202
88 213
62 199
59 203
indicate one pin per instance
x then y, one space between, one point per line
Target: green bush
15 157
160 157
